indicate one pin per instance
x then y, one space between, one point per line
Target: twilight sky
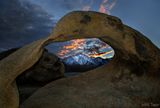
142 15
29 20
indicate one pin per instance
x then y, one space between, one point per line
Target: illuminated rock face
131 47
130 79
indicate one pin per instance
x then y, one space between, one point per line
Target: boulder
48 68
104 87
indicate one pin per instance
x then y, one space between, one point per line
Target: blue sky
142 15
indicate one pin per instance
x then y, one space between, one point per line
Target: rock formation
131 79
47 69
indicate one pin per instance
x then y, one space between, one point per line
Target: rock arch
133 50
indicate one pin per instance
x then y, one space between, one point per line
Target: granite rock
136 62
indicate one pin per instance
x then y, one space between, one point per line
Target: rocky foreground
130 80
47 69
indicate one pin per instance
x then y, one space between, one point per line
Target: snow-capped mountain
80 62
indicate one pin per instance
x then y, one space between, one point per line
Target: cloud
22 23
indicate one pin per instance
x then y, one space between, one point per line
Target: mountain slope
80 62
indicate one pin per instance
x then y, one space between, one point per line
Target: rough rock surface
131 79
47 69
7 53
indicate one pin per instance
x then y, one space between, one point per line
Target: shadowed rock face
131 79
47 69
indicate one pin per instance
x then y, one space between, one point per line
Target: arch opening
80 55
